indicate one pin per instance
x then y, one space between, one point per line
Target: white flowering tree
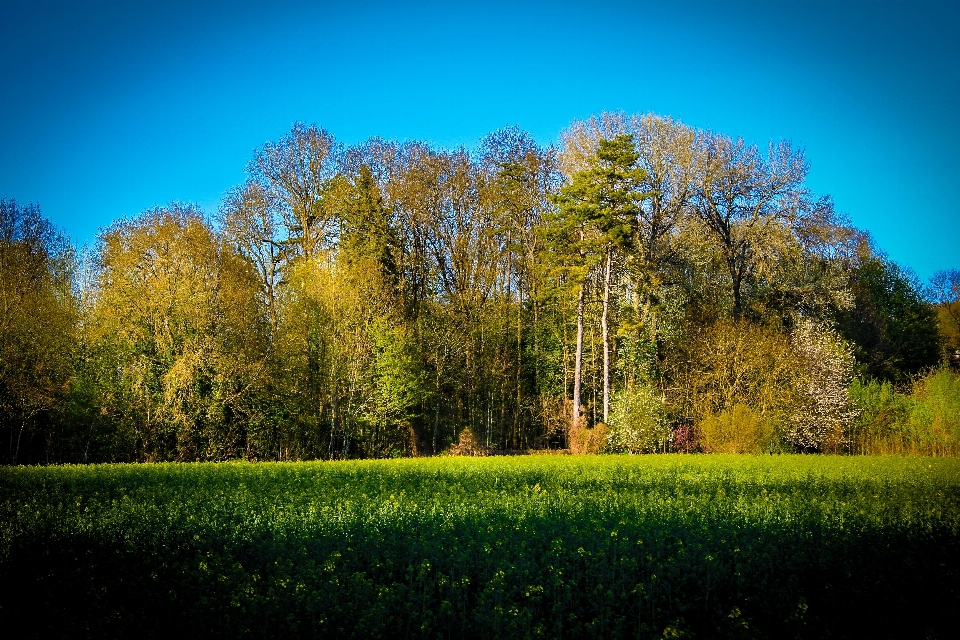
825 369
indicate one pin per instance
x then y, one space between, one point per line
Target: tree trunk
578 356
737 298
333 410
436 418
604 323
736 278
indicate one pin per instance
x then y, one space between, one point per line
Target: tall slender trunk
536 359
515 437
347 426
737 298
604 323
436 417
489 416
333 410
736 280
16 452
578 356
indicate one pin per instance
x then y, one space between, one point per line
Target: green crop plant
525 546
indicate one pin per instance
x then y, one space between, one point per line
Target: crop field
549 546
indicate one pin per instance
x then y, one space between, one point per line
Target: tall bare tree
251 223
750 204
295 174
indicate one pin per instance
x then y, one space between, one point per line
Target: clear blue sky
107 108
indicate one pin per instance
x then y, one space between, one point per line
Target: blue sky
109 108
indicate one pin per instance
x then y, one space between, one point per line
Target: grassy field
553 546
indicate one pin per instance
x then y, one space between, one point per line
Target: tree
821 417
294 175
177 317
37 323
599 208
944 291
520 177
657 269
348 372
893 329
250 222
368 231
730 363
750 206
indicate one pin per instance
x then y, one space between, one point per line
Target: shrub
923 419
935 413
581 439
879 427
638 422
737 430
685 438
797 383
467 445
821 412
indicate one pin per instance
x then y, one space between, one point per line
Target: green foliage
936 411
368 233
398 386
638 422
893 329
381 300
796 382
596 210
923 419
177 336
557 546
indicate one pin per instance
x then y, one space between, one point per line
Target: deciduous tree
893 329
294 174
177 317
38 317
751 204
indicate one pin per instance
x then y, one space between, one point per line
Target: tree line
639 286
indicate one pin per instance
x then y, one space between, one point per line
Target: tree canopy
637 284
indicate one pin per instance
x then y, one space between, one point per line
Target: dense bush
794 383
923 418
638 422
737 430
729 363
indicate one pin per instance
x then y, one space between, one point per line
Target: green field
553 546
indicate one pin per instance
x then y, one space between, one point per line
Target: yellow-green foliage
737 430
731 363
586 440
936 412
922 420
638 422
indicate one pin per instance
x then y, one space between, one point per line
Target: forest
639 286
